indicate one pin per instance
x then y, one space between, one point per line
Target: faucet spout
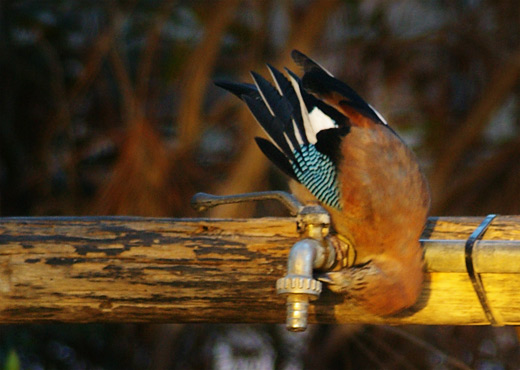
298 285
302 256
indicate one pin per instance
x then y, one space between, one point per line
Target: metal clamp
475 276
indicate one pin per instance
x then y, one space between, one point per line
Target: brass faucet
312 252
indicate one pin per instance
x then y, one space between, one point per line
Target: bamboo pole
130 269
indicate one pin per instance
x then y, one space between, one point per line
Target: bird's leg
344 248
381 285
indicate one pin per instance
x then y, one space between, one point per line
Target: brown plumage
386 202
341 153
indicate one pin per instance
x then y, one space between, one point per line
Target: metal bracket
475 276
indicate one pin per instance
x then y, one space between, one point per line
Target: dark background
108 107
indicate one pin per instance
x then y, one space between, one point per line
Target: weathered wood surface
120 269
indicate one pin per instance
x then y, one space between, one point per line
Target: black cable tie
475 277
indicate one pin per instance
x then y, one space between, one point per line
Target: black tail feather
272 125
289 93
304 61
280 107
275 156
318 81
239 89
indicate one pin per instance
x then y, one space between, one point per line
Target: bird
341 153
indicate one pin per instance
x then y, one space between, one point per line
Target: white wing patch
320 121
314 121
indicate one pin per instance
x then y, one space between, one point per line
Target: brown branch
120 269
57 85
500 85
151 44
124 83
95 58
198 72
477 175
61 118
307 31
138 184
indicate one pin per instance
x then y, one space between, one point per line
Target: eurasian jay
341 153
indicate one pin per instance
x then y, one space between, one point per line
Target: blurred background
108 108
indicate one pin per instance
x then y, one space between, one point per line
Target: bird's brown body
378 198
385 205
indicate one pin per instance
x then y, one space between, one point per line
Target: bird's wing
306 121
321 83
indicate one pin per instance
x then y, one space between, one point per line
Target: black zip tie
475 277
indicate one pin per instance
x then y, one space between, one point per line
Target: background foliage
107 107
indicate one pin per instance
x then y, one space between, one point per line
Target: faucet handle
203 201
